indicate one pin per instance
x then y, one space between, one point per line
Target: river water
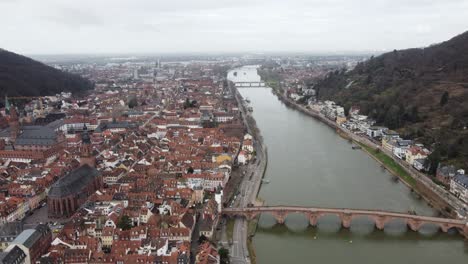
309 164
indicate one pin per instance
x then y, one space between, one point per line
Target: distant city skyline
219 26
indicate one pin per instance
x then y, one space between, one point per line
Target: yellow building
388 143
224 157
34 202
414 153
197 195
340 120
19 213
107 236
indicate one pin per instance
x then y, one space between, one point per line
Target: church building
71 191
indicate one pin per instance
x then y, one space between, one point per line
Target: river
309 164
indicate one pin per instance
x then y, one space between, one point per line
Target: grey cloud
90 26
72 17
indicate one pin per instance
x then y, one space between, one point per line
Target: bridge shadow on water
329 227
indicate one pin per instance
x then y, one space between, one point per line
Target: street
239 251
248 188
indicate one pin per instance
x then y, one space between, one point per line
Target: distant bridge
380 218
249 84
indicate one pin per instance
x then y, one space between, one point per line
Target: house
114 127
459 186
107 236
248 137
20 212
209 219
340 120
363 125
400 148
390 134
375 131
207 254
247 145
221 117
387 137
419 164
176 234
112 220
206 227
414 153
445 174
242 157
197 195
209 181
389 144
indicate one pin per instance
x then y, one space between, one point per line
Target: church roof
74 182
33 135
36 135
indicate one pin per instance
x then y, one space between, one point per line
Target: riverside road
248 189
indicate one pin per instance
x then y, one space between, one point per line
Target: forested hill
22 76
422 93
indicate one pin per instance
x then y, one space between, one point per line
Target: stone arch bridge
380 218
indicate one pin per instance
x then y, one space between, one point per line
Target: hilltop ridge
421 92
23 76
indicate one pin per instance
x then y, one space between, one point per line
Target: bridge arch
449 228
429 229
396 226
364 223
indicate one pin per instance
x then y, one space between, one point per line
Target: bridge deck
300 209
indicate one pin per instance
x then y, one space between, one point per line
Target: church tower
7 105
86 151
14 124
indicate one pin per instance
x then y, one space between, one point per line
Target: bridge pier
313 218
444 227
414 224
280 216
380 222
346 220
465 230
251 215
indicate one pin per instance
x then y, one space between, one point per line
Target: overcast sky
154 26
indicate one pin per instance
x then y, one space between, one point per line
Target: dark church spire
86 155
